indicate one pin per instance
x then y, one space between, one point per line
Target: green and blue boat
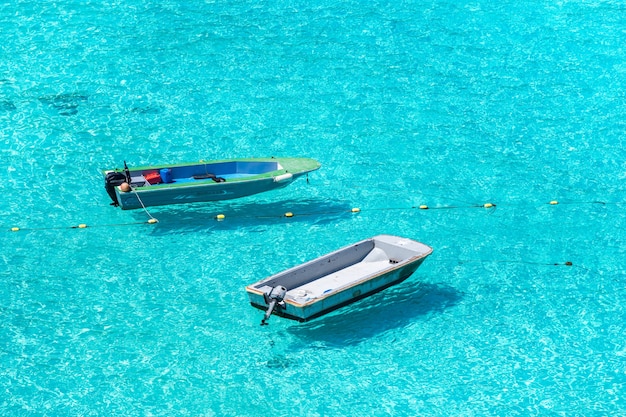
203 181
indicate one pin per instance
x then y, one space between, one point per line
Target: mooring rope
490 208
152 219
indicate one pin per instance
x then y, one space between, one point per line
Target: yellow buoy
15 229
289 214
82 226
424 207
554 202
356 210
220 217
152 221
488 205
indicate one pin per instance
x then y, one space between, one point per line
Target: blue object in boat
166 175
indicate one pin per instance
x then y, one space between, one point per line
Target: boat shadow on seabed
393 308
238 215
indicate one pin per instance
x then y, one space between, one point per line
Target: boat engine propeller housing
273 299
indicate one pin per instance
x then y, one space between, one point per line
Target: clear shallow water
438 103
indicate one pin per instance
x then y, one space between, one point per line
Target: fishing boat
201 181
339 278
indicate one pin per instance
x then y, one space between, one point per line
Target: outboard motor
112 180
127 173
276 296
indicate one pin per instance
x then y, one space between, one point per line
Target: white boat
339 278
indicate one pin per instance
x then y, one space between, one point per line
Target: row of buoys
421 207
222 216
290 214
81 226
425 207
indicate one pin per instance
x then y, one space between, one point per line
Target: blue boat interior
218 172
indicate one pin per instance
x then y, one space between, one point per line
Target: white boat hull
341 277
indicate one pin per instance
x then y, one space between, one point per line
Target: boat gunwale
346 287
251 288
281 160
208 182
304 166
351 284
284 314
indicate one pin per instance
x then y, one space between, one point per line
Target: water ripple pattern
441 104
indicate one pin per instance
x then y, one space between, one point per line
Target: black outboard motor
112 180
276 296
127 173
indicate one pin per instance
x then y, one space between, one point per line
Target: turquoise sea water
447 104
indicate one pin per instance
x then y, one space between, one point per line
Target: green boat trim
151 185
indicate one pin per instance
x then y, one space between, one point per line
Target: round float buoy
15 229
289 214
125 187
488 205
152 221
82 226
220 217
356 210
424 207
554 202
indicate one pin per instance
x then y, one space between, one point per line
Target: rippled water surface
452 105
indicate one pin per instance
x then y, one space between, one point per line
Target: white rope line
142 205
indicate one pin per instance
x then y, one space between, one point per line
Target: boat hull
196 193
207 181
348 279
